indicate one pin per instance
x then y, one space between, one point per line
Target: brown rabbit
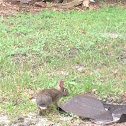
47 97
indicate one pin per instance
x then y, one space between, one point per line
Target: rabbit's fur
47 97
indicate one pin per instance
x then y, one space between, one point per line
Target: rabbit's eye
65 90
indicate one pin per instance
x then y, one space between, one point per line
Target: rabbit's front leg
56 104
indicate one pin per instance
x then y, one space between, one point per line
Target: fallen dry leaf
19 90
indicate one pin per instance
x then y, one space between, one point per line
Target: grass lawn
85 49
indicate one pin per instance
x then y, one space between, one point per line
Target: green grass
36 51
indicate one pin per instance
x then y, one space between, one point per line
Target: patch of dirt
34 120
8 9
4 120
57 120
80 69
121 100
60 73
111 35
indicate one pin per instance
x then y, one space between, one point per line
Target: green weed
85 49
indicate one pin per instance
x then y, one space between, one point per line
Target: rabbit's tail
42 107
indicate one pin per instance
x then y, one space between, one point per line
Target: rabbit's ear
61 83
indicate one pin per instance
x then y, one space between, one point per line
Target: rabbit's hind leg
40 111
47 110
